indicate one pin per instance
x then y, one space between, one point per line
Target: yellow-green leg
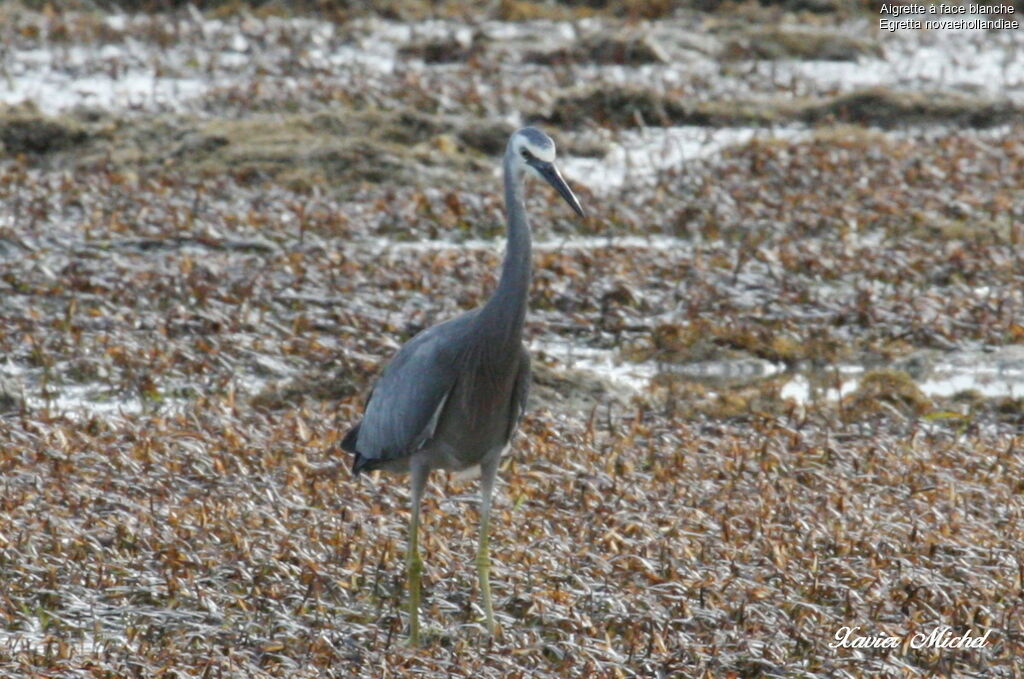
414 565
483 570
483 553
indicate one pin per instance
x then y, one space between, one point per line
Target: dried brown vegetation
209 542
194 301
628 106
630 50
773 43
30 133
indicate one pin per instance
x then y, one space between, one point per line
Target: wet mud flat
777 371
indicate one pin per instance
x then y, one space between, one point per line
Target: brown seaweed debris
623 50
525 10
23 130
625 107
446 50
883 390
811 6
885 107
338 148
486 137
637 107
778 43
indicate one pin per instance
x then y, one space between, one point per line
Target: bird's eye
526 154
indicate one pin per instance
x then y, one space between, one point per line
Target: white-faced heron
451 398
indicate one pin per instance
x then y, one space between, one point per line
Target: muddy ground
777 367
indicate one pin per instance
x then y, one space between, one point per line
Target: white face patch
537 143
545 153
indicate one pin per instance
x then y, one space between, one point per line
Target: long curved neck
505 312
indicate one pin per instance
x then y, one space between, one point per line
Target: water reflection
997 373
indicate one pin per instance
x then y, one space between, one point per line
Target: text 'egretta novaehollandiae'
451 398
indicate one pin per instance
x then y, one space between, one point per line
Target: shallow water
639 157
990 63
135 74
652 242
630 376
992 374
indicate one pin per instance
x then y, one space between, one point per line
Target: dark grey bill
551 174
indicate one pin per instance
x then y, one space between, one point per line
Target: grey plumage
452 397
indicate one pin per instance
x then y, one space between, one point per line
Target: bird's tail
348 444
360 463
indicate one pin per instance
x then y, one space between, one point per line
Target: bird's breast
477 416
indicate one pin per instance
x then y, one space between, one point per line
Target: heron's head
533 151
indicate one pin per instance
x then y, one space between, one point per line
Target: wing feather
407 400
520 392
